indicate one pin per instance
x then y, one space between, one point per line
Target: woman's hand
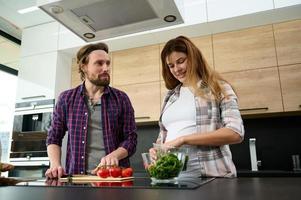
153 153
175 143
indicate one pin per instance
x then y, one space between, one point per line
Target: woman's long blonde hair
197 68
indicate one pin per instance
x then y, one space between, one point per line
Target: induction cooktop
137 182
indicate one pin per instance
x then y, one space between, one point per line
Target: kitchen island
277 188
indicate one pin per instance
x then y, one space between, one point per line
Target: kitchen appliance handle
33 97
250 109
253 155
33 107
143 117
31 163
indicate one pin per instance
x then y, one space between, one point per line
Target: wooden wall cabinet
138 65
290 77
75 76
249 59
145 98
163 91
205 45
244 49
258 90
136 71
288 42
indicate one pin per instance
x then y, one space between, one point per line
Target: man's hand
53 182
55 172
108 160
5 167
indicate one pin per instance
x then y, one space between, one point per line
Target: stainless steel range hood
94 20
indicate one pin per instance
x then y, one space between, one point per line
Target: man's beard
100 80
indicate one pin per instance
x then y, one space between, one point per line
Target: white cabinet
285 3
40 39
36 77
220 9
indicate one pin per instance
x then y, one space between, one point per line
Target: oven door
28 145
29 169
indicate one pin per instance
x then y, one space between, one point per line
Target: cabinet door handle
249 109
143 117
33 97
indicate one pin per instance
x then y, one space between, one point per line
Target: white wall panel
37 76
284 3
221 9
40 39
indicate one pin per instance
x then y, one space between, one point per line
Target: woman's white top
179 118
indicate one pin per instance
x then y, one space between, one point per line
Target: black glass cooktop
137 182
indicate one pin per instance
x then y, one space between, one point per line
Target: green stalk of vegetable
167 166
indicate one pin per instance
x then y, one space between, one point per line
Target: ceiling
13 22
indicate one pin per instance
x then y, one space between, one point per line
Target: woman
200 111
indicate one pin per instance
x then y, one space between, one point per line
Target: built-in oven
28 152
32 169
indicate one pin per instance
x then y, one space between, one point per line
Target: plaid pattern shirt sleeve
119 122
230 115
58 127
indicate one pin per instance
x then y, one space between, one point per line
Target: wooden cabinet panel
244 49
145 99
138 65
288 42
205 45
258 90
290 77
163 92
161 46
75 76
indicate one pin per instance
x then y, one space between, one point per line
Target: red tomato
103 173
114 184
127 184
115 171
100 184
127 172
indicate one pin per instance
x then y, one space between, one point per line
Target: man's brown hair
82 55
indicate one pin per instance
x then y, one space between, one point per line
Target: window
8 87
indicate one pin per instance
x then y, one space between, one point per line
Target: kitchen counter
220 188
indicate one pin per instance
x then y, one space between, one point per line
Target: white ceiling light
28 10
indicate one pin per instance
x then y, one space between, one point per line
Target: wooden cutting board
91 178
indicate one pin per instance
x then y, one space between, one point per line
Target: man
99 120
